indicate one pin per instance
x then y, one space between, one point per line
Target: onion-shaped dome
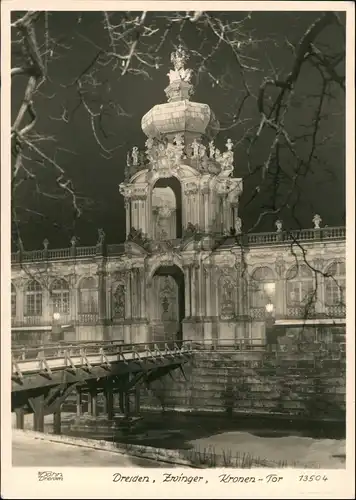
180 117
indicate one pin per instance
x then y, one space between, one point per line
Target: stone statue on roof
179 58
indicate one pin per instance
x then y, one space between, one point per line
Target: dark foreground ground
293 443
30 452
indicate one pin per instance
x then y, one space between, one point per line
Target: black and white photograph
177 226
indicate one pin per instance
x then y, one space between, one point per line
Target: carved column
187 291
187 210
206 286
128 215
149 215
20 301
47 312
134 213
193 290
320 282
138 298
280 295
227 214
128 295
108 289
143 215
73 298
142 293
234 210
220 214
135 296
201 290
101 294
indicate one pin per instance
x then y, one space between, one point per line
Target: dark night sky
96 178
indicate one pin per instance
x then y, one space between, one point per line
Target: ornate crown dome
179 114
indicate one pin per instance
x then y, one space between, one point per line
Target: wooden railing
248 239
77 354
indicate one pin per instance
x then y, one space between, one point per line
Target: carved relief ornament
119 276
280 265
191 188
165 156
205 186
134 191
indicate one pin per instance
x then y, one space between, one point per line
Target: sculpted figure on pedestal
101 237
179 58
190 230
135 155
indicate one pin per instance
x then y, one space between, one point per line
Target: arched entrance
167 309
167 209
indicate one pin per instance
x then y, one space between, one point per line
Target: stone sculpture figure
178 139
135 155
195 147
238 225
229 145
74 241
317 221
101 236
128 159
190 230
202 150
279 225
211 149
119 301
179 58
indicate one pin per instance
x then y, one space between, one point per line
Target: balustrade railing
88 318
258 313
266 238
59 253
301 312
86 251
262 238
336 311
30 321
324 233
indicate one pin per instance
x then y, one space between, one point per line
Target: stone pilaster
143 294
193 290
101 295
280 293
208 270
128 216
320 286
128 297
47 305
20 301
73 298
108 291
187 291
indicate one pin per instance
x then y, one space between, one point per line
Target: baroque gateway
187 270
